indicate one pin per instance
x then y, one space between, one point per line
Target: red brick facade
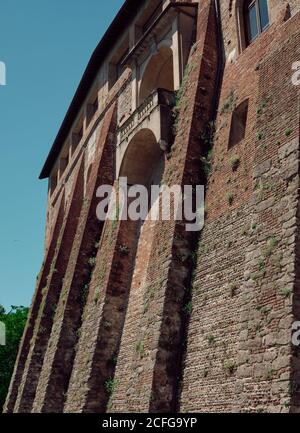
153 318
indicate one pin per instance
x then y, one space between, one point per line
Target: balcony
154 113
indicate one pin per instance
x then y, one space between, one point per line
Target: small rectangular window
63 164
53 182
76 137
91 109
238 124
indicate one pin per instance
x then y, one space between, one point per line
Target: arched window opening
158 74
256 18
238 124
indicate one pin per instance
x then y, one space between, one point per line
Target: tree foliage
14 321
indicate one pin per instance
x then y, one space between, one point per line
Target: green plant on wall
288 132
229 104
207 139
211 339
259 135
229 366
235 162
110 385
261 107
140 349
272 243
179 97
230 198
92 261
286 292
188 308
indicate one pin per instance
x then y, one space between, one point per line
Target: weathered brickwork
146 375
37 299
58 361
132 317
248 247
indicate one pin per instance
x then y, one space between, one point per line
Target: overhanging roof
127 12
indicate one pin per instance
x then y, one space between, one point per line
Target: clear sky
45 45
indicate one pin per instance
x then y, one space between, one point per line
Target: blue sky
45 45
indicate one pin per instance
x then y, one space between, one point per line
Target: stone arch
143 161
158 73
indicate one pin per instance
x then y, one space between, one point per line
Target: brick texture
131 317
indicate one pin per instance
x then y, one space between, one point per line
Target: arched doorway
143 164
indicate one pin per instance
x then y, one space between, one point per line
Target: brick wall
158 319
239 354
149 361
58 362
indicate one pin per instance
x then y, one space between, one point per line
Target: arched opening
144 165
158 74
143 162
